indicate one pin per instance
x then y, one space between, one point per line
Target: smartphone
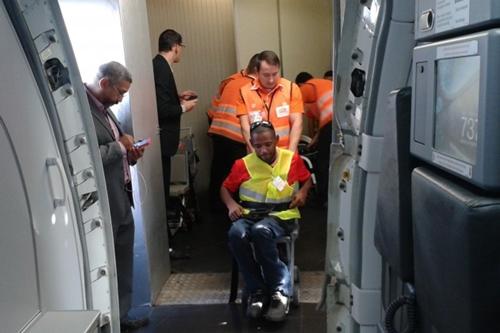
142 143
191 97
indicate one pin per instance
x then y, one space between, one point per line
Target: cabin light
66 218
53 218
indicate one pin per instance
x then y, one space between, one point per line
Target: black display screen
457 107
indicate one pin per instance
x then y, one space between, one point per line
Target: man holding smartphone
117 149
170 104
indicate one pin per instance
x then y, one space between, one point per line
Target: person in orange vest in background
245 73
317 95
227 141
274 99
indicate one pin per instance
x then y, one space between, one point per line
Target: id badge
279 183
255 116
282 111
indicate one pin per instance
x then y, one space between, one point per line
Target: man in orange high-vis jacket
317 95
274 99
227 141
216 99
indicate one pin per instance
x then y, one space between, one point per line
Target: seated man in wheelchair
269 196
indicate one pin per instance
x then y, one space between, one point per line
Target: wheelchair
286 247
287 242
309 156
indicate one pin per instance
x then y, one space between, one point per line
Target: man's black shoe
127 324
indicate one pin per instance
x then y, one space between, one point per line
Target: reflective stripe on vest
216 99
280 101
227 129
261 185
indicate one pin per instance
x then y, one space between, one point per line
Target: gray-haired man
110 84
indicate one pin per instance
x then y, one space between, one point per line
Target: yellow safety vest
266 180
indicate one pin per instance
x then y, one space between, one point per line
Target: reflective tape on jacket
277 112
222 85
269 184
224 119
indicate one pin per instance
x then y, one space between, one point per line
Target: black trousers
225 152
124 255
323 162
166 161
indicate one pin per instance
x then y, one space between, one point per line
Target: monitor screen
456 107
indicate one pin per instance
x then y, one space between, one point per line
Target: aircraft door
39 242
19 288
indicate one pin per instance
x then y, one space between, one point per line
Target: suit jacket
168 106
119 196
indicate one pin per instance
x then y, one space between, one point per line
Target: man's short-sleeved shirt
239 174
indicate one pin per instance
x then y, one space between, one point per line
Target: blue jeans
265 271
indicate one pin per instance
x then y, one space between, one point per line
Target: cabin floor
195 297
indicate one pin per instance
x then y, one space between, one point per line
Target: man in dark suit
170 104
117 149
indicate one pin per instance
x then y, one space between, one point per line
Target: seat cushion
457 254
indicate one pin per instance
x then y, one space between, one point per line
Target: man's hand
235 211
185 95
127 141
189 105
299 199
134 154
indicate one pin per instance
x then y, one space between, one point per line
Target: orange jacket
224 120
318 97
220 90
274 106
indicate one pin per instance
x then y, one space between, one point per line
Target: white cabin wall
148 183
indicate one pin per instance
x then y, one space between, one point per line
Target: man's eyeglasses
261 123
121 93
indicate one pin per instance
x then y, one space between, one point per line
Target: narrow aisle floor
228 318
197 291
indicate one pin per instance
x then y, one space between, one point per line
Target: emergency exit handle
52 162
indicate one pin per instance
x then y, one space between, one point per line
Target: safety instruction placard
451 14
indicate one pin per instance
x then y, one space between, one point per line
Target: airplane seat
456 244
393 226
